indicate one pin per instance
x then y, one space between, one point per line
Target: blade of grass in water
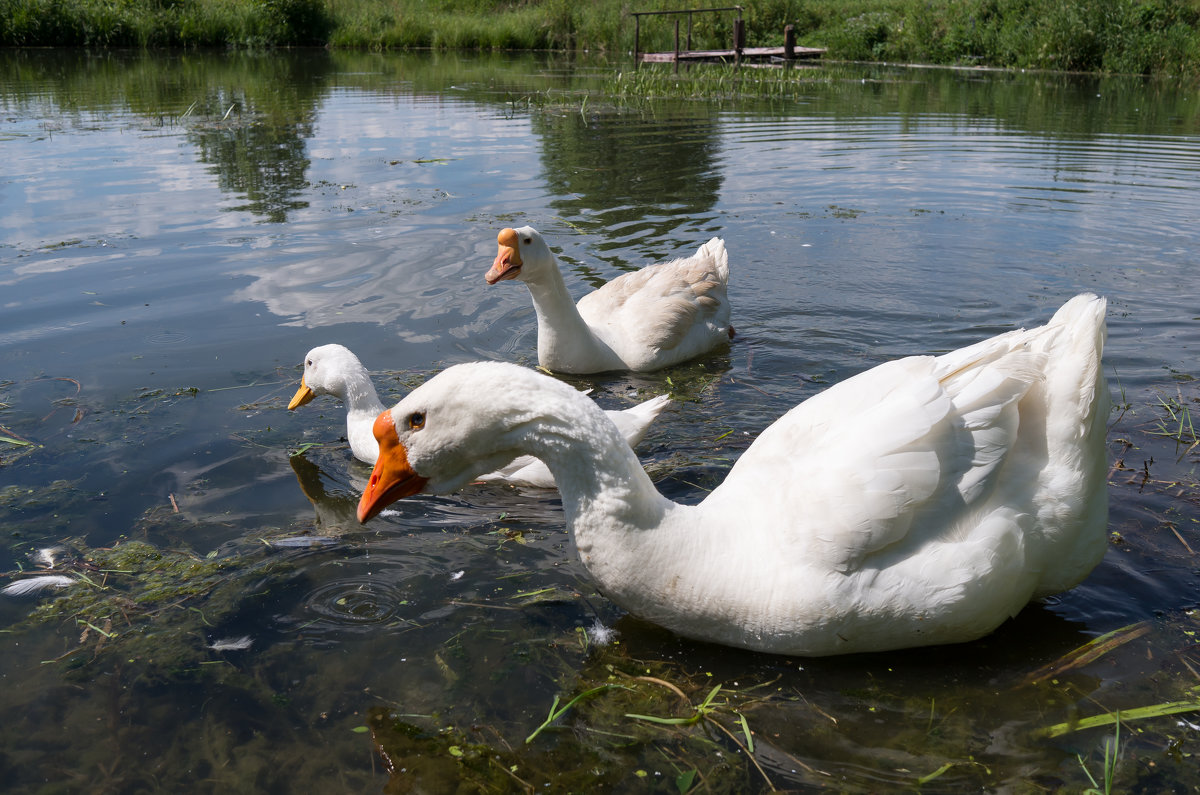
1089 652
925 779
555 712
1107 719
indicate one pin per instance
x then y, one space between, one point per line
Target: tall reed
1127 36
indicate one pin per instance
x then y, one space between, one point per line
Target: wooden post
789 42
739 39
637 35
677 45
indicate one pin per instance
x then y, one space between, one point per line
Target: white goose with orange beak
921 502
642 321
335 370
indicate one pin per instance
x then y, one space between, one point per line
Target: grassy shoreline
1159 37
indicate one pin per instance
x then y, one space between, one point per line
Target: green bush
1139 36
864 37
296 21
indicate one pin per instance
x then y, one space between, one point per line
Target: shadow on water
228 625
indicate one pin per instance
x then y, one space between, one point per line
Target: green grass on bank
1127 36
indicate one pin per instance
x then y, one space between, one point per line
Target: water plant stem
556 711
1107 719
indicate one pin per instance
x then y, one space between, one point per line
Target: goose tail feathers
714 250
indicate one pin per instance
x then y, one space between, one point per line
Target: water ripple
167 338
355 602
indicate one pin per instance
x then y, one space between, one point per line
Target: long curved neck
565 341
601 481
637 544
359 394
362 407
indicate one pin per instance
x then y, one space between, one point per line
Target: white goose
335 370
921 502
645 320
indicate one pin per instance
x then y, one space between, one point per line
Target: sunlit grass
1176 421
1122 36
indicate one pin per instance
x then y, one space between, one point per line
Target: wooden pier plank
719 55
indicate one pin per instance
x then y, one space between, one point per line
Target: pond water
176 231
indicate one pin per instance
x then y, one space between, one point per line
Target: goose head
523 255
326 370
467 420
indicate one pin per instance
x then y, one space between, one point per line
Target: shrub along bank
1128 36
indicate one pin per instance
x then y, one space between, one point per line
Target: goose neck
556 312
601 480
360 395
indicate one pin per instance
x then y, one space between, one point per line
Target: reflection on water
626 183
177 230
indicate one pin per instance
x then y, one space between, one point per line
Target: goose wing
905 454
659 305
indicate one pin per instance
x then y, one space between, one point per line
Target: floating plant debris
147 602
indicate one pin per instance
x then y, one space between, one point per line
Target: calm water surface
177 231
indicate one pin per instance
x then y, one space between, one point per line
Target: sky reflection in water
178 230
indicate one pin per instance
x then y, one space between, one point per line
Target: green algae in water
857 724
592 746
144 604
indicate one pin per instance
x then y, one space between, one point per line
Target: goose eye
528 240
416 421
308 363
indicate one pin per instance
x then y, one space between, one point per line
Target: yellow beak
303 395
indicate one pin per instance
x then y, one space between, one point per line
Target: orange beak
508 259
303 395
392 479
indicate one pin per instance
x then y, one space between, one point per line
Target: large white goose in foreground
335 370
920 502
644 320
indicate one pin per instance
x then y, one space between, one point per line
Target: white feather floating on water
48 556
35 585
600 634
300 541
232 644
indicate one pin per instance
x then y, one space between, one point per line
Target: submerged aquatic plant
1112 718
556 711
1112 753
593 754
702 710
149 603
1089 652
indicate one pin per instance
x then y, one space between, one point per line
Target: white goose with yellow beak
335 370
921 502
642 321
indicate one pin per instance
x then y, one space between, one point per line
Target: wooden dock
683 48
726 56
